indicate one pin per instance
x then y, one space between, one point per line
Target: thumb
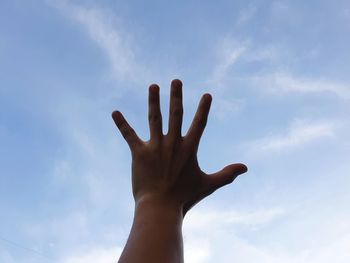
226 175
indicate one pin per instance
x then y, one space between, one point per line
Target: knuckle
126 131
189 147
200 122
127 134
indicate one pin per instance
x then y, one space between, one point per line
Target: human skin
166 178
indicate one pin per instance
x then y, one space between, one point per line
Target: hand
165 168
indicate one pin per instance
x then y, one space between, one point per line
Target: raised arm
166 178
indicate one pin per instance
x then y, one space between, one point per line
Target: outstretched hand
165 168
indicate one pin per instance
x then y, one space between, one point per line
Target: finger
200 120
154 113
175 109
126 130
225 176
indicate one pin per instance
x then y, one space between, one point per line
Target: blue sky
278 72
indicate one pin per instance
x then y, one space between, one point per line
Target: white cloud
299 133
204 228
219 236
95 255
103 29
229 52
200 219
197 250
284 83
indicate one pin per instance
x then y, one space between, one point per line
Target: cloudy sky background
278 72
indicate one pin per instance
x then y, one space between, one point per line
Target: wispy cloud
284 83
103 29
298 134
233 53
228 51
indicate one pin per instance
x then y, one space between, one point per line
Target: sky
278 72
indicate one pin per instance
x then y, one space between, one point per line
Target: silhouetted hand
165 169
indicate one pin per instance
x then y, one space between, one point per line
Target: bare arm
166 178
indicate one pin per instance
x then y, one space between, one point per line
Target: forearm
156 234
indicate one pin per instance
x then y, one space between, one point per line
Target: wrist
159 208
